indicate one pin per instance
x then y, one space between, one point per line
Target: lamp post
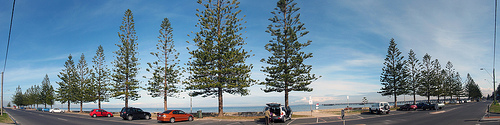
494 92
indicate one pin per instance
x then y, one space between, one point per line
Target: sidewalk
492 116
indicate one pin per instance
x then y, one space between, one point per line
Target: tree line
35 95
216 66
426 78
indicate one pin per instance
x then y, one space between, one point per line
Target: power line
10 31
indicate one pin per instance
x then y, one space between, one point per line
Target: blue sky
350 40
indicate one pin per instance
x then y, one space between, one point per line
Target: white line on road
62 119
290 122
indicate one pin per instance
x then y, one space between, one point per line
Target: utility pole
1 111
494 52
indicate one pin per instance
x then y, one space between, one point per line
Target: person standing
267 114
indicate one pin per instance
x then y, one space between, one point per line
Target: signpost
347 103
310 104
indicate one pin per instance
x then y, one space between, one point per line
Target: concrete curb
12 118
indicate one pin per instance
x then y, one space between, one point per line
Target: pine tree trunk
221 112
428 99
286 97
99 94
414 98
395 100
165 101
438 99
126 92
81 106
69 106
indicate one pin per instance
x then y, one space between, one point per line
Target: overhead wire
10 31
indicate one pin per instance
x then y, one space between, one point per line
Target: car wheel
190 118
130 118
146 117
172 120
109 115
94 115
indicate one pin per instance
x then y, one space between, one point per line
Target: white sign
310 100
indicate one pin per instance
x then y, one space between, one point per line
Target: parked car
408 107
279 112
425 106
440 105
174 116
100 112
380 108
56 110
45 109
39 109
130 113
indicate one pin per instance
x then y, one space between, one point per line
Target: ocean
295 108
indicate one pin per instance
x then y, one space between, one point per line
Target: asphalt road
463 114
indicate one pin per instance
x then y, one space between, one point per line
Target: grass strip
6 119
495 108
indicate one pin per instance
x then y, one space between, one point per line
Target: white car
380 108
56 110
279 112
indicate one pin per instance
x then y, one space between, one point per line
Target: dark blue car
46 109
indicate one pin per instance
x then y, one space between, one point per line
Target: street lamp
494 92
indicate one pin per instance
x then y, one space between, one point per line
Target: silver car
279 112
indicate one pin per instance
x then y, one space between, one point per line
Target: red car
408 107
173 116
100 112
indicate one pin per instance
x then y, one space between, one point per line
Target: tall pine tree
437 79
427 85
100 77
165 70
287 71
85 91
393 73
18 98
218 63
472 90
47 94
412 67
66 93
126 65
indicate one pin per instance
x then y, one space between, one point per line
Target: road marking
62 119
361 117
437 112
290 122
